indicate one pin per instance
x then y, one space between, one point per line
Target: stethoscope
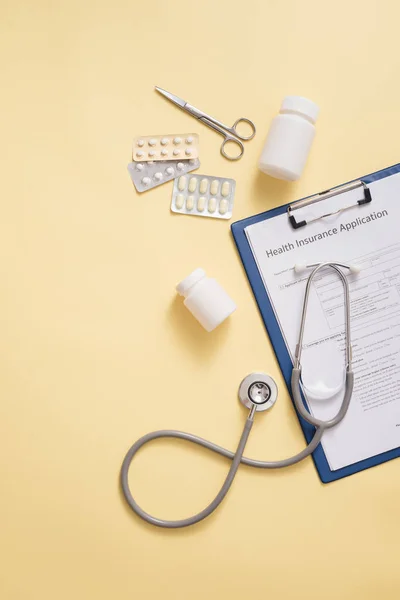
258 392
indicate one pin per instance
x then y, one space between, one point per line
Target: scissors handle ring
238 135
232 140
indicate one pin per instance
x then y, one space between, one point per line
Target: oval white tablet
214 187
223 207
176 152
203 186
189 140
179 201
177 140
139 166
226 188
212 205
158 176
181 183
169 170
180 166
146 180
192 184
164 141
201 204
192 161
152 142
189 203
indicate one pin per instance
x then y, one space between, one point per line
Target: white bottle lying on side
206 299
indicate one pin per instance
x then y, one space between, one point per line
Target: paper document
368 236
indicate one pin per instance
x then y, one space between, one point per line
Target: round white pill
152 142
158 176
164 141
140 153
146 180
180 166
139 167
164 152
169 170
140 143
177 140
189 140
152 153
176 152
188 152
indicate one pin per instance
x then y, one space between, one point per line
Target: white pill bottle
289 139
206 299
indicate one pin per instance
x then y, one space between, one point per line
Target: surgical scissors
230 134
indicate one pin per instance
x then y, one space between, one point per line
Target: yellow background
97 349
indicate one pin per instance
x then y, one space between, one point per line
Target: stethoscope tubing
237 457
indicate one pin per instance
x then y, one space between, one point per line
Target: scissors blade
175 99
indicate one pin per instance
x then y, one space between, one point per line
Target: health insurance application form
369 236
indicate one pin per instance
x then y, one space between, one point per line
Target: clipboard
271 323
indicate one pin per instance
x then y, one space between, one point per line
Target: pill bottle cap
302 106
184 286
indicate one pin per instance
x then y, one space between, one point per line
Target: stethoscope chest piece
259 390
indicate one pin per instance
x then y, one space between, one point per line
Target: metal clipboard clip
324 196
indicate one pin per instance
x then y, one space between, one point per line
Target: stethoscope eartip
354 269
299 268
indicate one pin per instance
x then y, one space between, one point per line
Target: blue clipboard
277 340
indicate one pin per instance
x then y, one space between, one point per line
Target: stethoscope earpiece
258 390
301 267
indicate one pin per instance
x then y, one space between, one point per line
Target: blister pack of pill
165 147
203 196
148 175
